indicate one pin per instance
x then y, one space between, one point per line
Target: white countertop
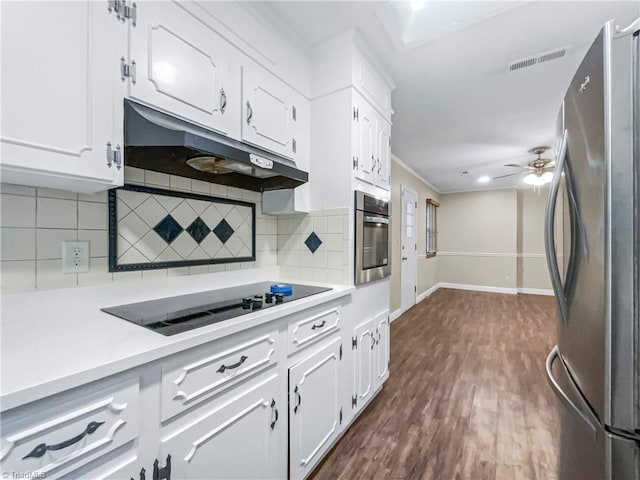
59 339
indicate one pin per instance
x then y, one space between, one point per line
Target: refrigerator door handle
563 397
549 230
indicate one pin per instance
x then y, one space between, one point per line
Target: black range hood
162 143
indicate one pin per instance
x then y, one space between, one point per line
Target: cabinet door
366 146
243 438
381 337
269 115
384 153
61 94
184 68
363 363
314 408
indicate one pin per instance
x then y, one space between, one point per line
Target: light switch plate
75 257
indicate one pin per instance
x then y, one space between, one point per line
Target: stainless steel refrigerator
592 239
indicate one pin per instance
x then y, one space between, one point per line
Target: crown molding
414 173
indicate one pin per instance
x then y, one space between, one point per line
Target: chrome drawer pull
41 449
222 368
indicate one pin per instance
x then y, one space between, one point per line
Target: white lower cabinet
314 407
243 437
381 350
363 361
55 437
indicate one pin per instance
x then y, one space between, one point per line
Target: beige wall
427 267
478 238
532 264
493 238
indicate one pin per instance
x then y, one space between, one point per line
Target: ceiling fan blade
509 175
526 167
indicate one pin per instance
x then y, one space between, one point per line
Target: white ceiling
457 108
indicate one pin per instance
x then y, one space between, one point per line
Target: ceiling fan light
547 177
533 179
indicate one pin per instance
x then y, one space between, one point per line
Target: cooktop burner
173 315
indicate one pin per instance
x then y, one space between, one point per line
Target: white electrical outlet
75 257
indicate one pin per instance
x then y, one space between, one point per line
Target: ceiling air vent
538 58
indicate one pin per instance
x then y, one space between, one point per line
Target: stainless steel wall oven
373 242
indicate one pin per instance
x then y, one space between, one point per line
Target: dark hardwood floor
467 396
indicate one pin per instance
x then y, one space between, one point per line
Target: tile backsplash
160 228
315 247
35 221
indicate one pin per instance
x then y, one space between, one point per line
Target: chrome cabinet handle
379 336
404 258
379 166
549 230
324 322
223 367
223 101
43 448
249 113
373 340
562 396
275 410
299 398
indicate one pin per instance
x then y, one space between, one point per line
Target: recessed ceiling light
417 5
484 179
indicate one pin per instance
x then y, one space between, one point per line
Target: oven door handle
372 219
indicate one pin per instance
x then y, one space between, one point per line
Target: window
432 227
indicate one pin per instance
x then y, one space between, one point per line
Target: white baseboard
536 291
478 288
427 292
395 314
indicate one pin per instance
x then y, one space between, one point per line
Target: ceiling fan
538 171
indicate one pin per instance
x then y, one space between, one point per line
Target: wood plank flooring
467 396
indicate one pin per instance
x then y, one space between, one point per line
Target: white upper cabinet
365 117
384 153
184 68
62 95
372 146
371 84
269 112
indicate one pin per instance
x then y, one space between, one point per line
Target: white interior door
408 251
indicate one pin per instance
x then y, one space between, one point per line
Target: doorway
408 250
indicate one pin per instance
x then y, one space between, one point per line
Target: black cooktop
173 315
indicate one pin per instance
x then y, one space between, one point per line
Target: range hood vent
162 143
538 58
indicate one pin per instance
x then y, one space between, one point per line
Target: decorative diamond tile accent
151 227
168 229
223 231
198 230
313 242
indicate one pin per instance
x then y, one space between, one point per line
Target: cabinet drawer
307 330
52 440
211 369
